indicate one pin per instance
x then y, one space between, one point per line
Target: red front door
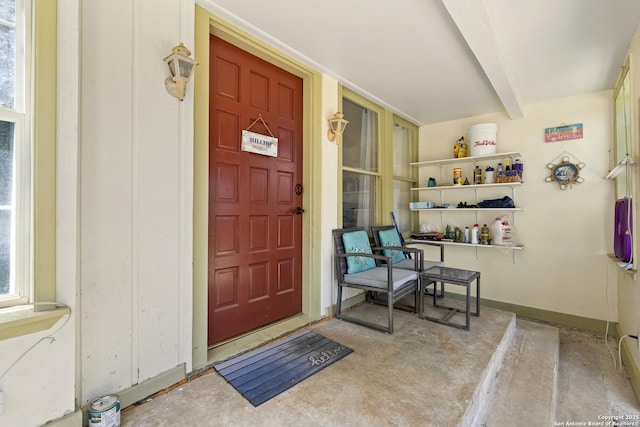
255 230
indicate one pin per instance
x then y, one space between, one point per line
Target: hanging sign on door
267 145
259 144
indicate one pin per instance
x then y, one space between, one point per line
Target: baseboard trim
70 420
146 388
627 359
573 321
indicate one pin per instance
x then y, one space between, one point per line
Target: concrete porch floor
424 374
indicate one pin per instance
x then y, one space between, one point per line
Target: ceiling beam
471 18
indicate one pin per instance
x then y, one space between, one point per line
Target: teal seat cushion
390 238
358 242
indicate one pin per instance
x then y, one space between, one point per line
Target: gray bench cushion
377 277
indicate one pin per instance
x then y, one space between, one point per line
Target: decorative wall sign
563 132
258 143
565 173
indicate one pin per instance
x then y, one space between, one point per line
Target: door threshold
256 338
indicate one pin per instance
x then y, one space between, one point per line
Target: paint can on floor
105 411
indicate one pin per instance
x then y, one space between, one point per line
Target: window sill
18 321
627 266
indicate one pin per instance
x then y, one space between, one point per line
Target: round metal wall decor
565 173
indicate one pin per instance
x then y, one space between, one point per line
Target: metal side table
455 276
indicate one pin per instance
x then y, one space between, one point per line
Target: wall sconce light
181 67
336 126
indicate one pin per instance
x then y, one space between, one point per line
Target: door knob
298 210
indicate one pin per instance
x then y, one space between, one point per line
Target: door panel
255 238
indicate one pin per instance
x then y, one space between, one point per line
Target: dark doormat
268 371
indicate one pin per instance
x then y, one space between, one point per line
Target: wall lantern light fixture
181 66
336 126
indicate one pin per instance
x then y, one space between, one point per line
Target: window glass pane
360 138
403 151
6 211
401 195
6 162
358 200
5 251
7 66
8 10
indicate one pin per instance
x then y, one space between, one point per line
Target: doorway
255 200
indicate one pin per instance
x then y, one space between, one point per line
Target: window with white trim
360 160
377 148
15 152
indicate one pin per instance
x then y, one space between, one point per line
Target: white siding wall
329 183
135 196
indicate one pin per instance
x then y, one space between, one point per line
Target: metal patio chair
382 237
356 268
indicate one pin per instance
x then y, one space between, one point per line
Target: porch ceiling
439 60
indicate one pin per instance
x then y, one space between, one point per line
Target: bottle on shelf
499 171
502 232
507 166
457 176
484 235
489 175
466 234
462 151
474 235
477 175
517 167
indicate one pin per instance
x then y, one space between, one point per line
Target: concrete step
524 390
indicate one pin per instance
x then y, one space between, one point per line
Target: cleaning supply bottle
484 235
502 232
517 167
462 151
477 175
466 234
474 235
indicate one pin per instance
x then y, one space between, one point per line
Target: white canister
489 175
482 139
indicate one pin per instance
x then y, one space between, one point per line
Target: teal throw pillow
390 238
358 242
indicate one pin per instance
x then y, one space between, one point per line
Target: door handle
298 210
